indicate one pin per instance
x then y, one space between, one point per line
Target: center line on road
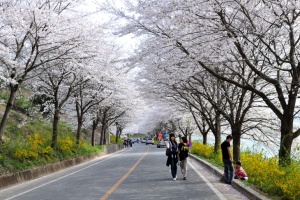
212 187
115 186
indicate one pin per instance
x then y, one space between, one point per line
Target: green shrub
113 140
23 103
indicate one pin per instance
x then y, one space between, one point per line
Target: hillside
27 142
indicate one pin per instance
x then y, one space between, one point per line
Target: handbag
168 151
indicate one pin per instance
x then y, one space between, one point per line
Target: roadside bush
66 145
207 151
35 147
269 176
113 139
28 145
263 172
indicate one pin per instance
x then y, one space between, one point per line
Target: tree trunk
101 135
93 132
79 126
103 128
217 134
120 132
236 145
204 137
286 142
186 132
104 134
8 108
79 122
55 128
117 135
217 143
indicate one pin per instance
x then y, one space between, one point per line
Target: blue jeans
228 167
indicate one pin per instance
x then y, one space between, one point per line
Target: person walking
183 153
227 159
125 143
173 156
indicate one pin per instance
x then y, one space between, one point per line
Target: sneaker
184 178
174 179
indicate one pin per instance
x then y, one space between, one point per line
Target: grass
264 173
21 101
4 95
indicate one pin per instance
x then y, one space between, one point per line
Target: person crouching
240 172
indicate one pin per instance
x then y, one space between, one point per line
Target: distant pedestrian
125 143
239 172
173 156
183 153
130 143
227 159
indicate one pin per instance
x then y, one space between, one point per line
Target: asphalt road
135 173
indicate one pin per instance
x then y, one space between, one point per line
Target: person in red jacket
240 172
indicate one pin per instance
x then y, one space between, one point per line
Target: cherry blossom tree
33 34
259 37
58 83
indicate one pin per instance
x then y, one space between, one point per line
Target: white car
149 141
162 143
144 140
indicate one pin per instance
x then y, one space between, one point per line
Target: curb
244 189
34 173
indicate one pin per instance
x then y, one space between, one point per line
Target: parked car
149 141
161 143
144 140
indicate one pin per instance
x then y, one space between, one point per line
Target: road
135 173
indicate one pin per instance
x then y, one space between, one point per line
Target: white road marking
212 187
17 195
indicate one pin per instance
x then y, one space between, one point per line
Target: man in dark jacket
227 159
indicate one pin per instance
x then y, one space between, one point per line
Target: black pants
174 167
